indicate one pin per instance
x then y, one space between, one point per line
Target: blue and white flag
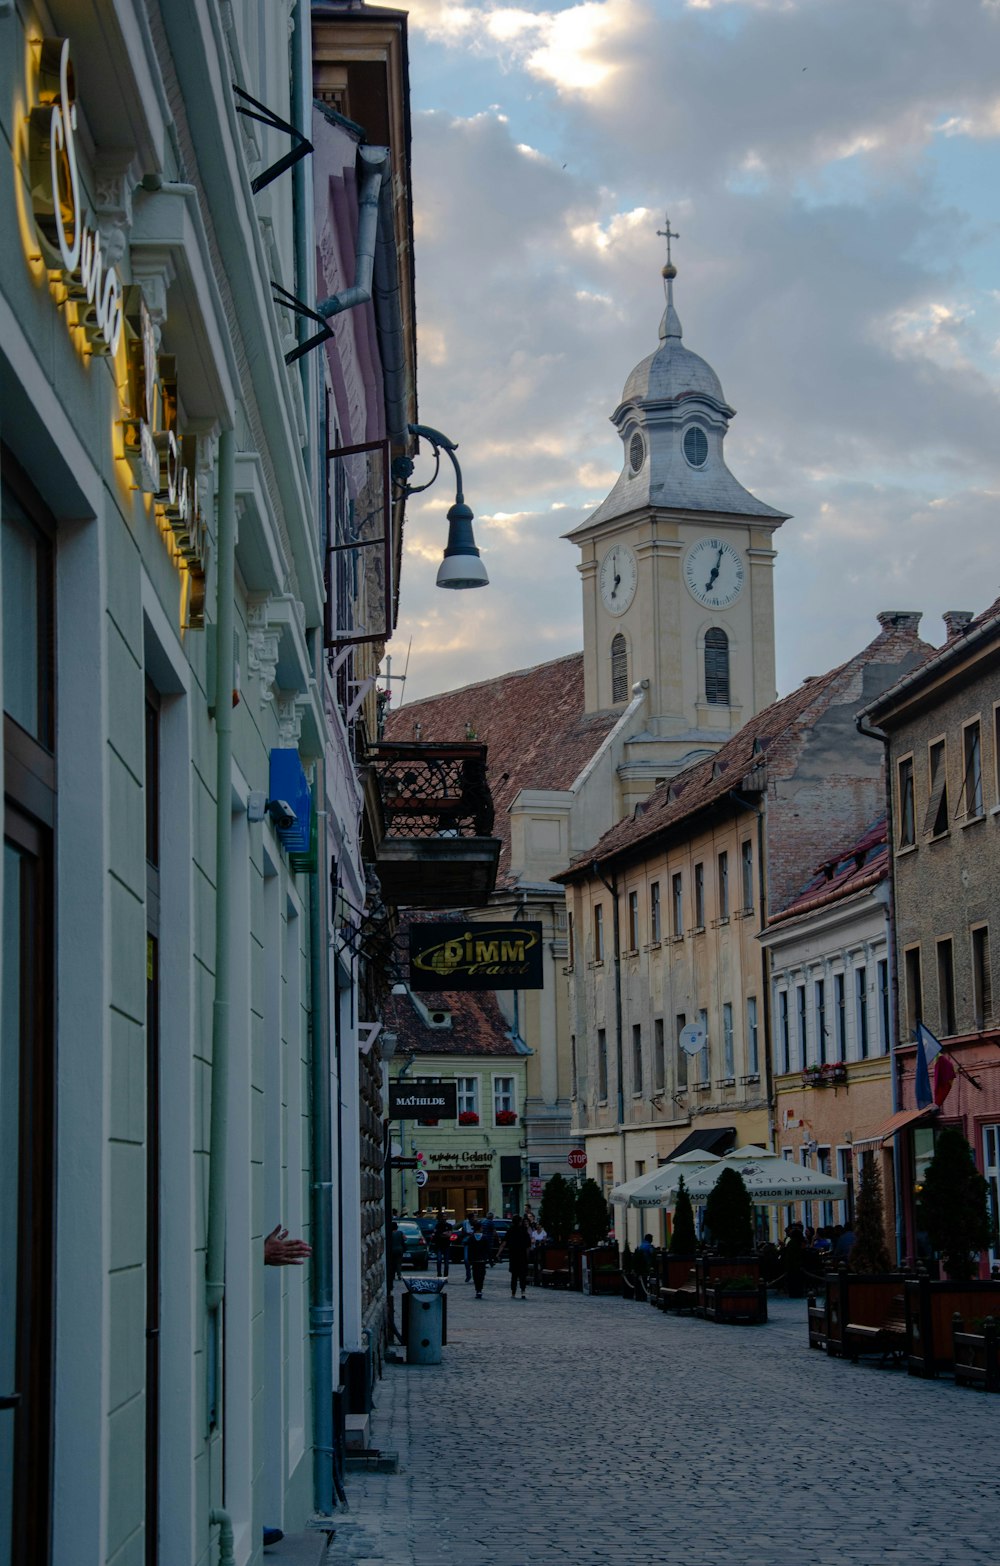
927 1048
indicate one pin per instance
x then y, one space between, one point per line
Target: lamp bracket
283 297
265 116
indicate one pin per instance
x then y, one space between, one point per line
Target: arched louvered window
717 668
619 669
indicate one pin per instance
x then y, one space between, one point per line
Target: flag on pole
944 1076
922 1078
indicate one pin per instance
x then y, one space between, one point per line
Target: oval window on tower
695 446
636 452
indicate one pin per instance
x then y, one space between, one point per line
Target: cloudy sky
832 167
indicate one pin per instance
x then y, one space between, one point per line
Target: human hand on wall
280 1251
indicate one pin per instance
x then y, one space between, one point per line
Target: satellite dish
693 1038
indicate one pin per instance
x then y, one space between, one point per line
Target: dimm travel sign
489 956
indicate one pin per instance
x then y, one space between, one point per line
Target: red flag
944 1076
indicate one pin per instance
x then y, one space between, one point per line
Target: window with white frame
840 1014
655 927
677 889
972 783
746 861
882 969
633 921
728 1047
753 1038
819 991
503 1096
861 993
800 1013
598 932
468 1095
784 1038
723 885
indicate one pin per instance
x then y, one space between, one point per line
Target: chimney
956 621
900 620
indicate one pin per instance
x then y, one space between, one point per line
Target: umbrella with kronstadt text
659 1187
770 1179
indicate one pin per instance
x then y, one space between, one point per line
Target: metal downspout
215 1252
321 1216
376 160
890 942
612 887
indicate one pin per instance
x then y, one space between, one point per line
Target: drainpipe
612 887
303 223
321 1315
376 166
215 1258
890 942
221 1519
218 1145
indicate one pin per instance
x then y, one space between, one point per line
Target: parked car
416 1254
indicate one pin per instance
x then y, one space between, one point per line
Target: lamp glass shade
462 571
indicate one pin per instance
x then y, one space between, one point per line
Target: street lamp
461 566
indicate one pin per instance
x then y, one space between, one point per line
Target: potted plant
468 1117
869 1252
740 1300
506 1117
729 1215
953 1207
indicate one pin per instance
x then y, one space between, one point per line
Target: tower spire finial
670 326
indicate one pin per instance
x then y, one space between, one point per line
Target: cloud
847 306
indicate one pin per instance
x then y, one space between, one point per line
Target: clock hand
708 584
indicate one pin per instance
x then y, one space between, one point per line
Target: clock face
714 573
619 575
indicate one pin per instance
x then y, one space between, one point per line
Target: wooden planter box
931 1307
865 1300
596 1281
553 1265
676 1276
738 1307
976 1355
710 1271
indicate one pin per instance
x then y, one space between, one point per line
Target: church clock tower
677 567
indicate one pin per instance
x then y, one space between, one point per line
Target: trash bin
425 1317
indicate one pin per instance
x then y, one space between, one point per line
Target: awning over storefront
896 1122
718 1140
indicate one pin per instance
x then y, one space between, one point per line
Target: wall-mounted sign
71 249
423 1100
489 956
163 461
461 1160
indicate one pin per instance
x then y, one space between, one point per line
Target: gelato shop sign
71 248
491 956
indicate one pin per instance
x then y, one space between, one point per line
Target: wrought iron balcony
438 850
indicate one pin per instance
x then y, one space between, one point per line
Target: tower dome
672 420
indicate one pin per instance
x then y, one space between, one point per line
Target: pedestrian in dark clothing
517 1245
479 1255
440 1241
489 1229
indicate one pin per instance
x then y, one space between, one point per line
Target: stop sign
577 1158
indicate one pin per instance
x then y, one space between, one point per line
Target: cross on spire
668 234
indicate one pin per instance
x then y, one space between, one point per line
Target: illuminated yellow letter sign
71 248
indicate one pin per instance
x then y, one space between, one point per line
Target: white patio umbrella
659 1187
770 1180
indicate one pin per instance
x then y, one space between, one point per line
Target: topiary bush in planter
591 1213
952 1206
729 1215
869 1252
557 1212
682 1235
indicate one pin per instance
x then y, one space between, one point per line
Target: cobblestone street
594 1430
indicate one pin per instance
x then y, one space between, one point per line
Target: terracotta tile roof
478 1026
766 747
533 723
861 865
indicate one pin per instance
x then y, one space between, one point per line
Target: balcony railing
438 850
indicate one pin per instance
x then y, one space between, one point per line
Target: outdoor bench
887 1337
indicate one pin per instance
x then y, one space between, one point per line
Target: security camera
281 813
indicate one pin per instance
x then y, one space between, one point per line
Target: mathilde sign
111 314
489 956
422 1100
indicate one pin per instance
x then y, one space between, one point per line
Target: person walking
516 1246
479 1255
466 1237
489 1229
440 1242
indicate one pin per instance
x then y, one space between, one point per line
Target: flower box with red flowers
506 1117
468 1117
